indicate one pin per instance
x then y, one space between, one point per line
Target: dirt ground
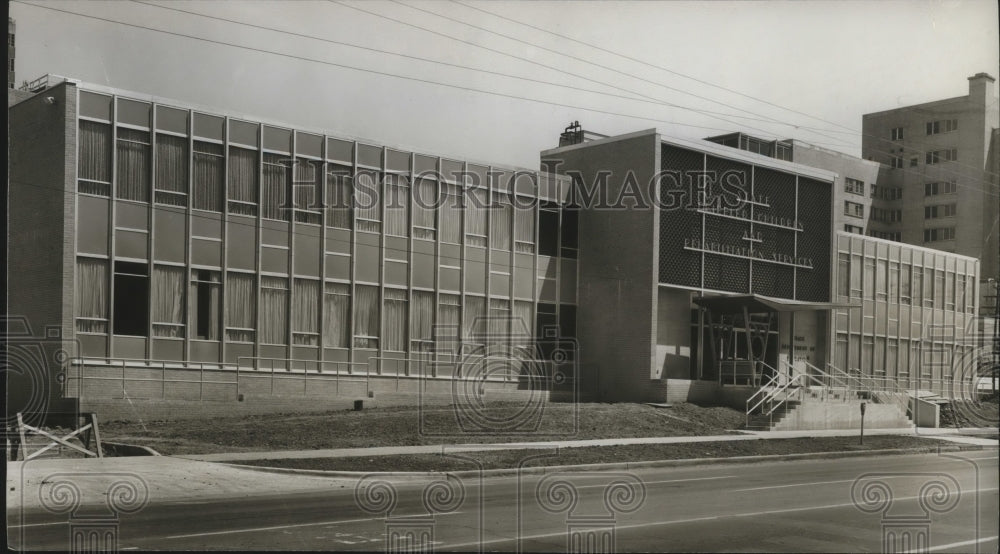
500 422
600 454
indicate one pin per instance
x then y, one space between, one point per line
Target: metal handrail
764 390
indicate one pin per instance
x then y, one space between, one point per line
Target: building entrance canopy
755 304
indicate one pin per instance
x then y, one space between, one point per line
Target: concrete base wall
842 415
925 414
155 394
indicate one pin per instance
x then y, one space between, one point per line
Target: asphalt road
949 500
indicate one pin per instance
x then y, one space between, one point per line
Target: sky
498 81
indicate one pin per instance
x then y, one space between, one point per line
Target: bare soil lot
440 425
599 454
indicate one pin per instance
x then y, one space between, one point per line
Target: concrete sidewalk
46 484
950 435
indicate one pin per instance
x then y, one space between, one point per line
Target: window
91 296
854 186
243 171
938 156
942 126
881 270
476 201
241 301
368 202
336 315
273 310
914 161
451 214
855 276
843 274
275 187
95 158
366 316
524 225
395 320
854 209
918 286
523 324
896 162
425 202
904 284
305 312
499 321
171 170
131 293
570 225
949 291
397 206
894 282
946 187
896 133
854 229
307 188
474 320
422 321
939 234
868 287
501 221
168 301
941 210
449 312
548 230
206 303
339 196
133 165
209 172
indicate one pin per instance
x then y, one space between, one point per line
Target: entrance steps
818 410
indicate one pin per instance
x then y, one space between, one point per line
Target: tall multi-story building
936 172
853 187
11 27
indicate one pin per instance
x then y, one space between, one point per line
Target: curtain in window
524 228
273 310
92 296
339 197
424 204
422 316
451 214
449 312
275 187
305 312
336 317
168 301
205 307
366 316
397 205
475 216
308 189
133 165
501 222
499 321
209 172
523 325
242 180
368 205
240 301
171 170
95 155
395 320
474 322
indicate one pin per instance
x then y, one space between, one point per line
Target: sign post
863 405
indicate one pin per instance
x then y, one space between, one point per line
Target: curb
127 450
618 465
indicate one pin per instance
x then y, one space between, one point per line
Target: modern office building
936 172
181 252
853 189
737 270
155 234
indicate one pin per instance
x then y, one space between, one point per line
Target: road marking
661 482
41 524
954 545
795 485
294 525
691 520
